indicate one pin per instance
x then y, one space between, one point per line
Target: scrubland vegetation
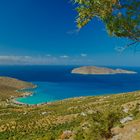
83 118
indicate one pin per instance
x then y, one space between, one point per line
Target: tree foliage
102 124
121 17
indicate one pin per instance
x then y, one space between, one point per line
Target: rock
85 125
24 113
66 134
125 110
117 137
44 113
90 111
134 130
83 114
126 119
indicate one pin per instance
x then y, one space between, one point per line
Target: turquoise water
49 91
41 94
56 82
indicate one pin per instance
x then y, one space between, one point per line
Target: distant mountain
100 70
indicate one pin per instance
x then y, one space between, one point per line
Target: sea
57 82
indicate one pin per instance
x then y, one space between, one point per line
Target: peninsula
10 87
100 70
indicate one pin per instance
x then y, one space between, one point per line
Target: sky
44 32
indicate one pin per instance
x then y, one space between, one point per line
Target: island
100 70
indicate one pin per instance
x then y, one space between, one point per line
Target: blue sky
44 32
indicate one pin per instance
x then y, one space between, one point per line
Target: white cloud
48 55
120 49
37 60
83 54
76 31
40 59
64 56
12 59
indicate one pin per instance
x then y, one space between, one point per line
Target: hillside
110 117
100 70
9 87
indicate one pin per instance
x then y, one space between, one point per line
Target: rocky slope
9 87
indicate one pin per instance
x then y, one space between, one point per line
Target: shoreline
103 73
25 104
24 94
70 98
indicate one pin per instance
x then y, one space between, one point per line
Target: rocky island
100 70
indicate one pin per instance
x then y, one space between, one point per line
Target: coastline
25 104
103 73
24 94
72 98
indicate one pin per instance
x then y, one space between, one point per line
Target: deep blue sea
56 82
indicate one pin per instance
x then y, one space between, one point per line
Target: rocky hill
9 87
100 70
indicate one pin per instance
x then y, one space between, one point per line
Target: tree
101 124
121 17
